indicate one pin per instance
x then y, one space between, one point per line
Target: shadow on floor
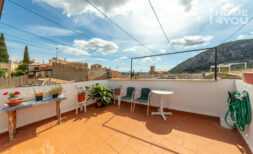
204 126
33 130
207 127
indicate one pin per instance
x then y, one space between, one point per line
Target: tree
2 72
26 59
4 56
22 69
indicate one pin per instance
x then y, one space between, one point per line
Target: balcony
196 125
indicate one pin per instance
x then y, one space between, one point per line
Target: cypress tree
4 56
26 59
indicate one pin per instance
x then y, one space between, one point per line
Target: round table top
162 92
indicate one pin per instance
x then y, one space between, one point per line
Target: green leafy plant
55 91
2 72
101 94
22 69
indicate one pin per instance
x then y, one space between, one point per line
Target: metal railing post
131 69
215 64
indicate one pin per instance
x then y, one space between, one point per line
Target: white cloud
163 51
230 8
123 58
149 61
245 36
191 40
97 45
133 15
49 31
72 50
78 7
137 50
136 16
84 47
187 4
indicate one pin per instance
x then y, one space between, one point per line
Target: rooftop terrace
196 126
110 130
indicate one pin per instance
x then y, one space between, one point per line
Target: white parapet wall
41 112
248 133
205 97
200 96
196 96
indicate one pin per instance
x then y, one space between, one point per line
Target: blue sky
87 36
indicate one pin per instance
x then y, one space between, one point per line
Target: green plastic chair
129 97
143 99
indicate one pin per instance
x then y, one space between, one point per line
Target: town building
9 67
71 71
40 70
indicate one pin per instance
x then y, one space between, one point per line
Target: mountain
232 52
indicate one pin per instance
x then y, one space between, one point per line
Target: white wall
248 133
37 113
202 97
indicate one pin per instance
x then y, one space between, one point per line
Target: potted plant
39 96
101 94
55 91
81 94
13 98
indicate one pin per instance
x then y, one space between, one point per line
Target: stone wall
70 71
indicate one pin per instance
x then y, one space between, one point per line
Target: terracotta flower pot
248 77
39 96
14 101
55 95
80 97
99 104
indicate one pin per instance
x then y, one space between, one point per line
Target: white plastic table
163 94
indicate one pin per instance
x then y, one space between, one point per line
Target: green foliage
4 56
22 69
101 94
57 89
2 72
26 59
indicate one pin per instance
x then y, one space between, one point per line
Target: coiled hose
239 110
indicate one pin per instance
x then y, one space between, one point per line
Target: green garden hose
239 110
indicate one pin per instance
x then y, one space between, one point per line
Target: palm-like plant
101 94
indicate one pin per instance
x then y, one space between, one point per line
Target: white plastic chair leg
119 101
81 107
76 110
133 106
85 107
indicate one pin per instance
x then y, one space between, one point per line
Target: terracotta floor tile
112 130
